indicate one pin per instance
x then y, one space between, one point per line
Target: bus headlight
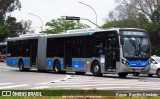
124 62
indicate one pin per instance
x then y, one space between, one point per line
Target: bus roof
25 36
70 33
83 32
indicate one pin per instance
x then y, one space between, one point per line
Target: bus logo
6 93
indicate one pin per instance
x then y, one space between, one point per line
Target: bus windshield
136 46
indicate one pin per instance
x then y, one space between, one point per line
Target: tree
26 26
138 22
61 25
131 8
17 28
6 6
13 26
4 32
154 31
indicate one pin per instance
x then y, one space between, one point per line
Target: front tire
21 66
158 73
122 75
96 69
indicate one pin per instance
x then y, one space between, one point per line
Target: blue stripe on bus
26 63
12 61
138 64
50 63
61 63
77 64
15 62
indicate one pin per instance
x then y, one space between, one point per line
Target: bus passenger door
110 54
33 52
67 54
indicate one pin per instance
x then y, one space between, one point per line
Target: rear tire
96 69
57 68
122 75
21 66
150 75
158 73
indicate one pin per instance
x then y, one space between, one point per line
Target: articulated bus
3 46
99 51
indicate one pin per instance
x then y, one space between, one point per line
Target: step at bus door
111 61
67 54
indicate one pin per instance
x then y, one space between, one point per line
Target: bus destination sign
134 33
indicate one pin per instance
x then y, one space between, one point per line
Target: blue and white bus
99 51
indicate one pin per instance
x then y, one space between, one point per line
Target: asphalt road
12 78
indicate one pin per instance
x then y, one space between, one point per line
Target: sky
47 10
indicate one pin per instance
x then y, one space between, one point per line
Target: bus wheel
57 67
158 73
96 69
135 74
122 75
21 66
150 75
80 73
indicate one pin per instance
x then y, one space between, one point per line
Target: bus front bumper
128 69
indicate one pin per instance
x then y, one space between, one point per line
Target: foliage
4 33
13 26
61 25
154 31
6 6
139 22
131 8
26 26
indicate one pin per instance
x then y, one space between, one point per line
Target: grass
73 94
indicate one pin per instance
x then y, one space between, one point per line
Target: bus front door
110 55
67 54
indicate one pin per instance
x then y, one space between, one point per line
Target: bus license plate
138 70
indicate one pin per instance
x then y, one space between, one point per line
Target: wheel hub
96 68
56 68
